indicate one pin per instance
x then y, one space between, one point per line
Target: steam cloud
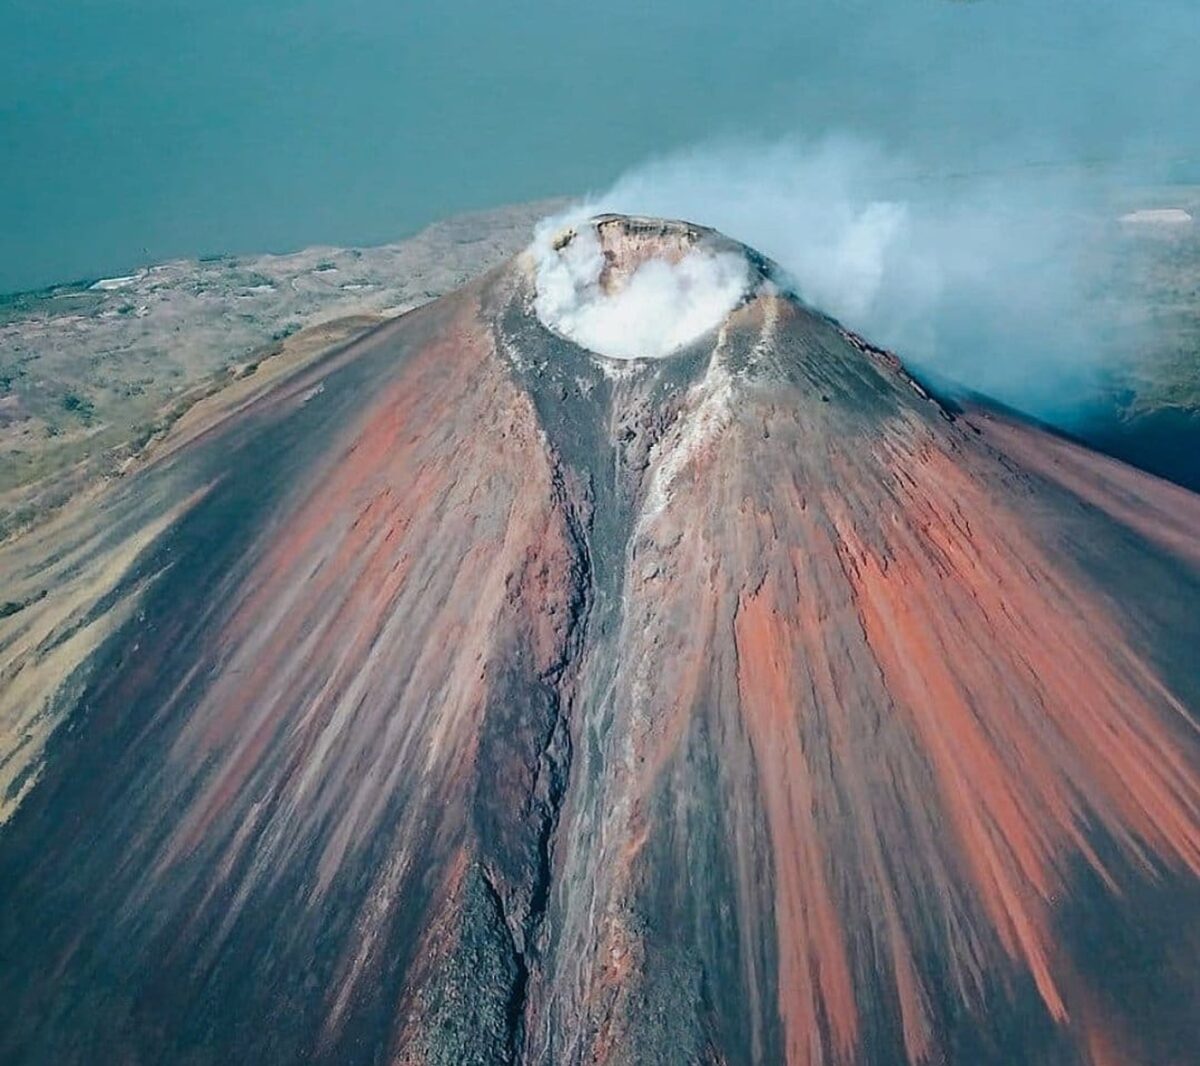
661 306
990 281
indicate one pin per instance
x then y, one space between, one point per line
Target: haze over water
134 131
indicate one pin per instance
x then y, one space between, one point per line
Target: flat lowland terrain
1154 287
91 373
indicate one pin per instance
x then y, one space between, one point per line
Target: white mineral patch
113 284
1157 216
659 308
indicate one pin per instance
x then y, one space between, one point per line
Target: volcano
617 661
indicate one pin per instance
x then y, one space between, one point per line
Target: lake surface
137 130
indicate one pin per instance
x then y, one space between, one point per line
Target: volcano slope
475 698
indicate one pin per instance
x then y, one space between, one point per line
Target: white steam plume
988 280
659 308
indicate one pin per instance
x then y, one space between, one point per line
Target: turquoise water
135 130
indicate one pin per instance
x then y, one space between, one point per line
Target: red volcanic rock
495 701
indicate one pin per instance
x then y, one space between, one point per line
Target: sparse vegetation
79 405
